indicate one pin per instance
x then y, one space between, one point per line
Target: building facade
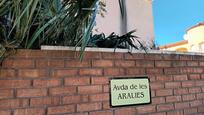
193 41
139 17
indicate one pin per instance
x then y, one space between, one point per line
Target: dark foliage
125 41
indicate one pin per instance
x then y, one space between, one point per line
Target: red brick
135 71
19 63
134 56
113 55
200 96
5 112
106 105
153 93
158 113
72 99
42 63
13 103
152 78
85 98
24 53
194 76
60 54
99 80
69 54
99 97
61 109
5 94
146 109
202 89
77 63
125 111
5 62
153 56
199 83
31 92
163 64
178 112
90 89
164 92
180 77
191 70
182 105
171 71
44 101
84 113
192 63
64 72
171 57
186 57
198 58
7 73
179 63
62 90
154 71
165 107
52 63
93 71
157 85
164 78
196 103
201 63
188 84
102 63
106 88
173 98
190 111
158 100
201 109
77 81
181 91
114 71
14 84
107 112
56 63
122 63
32 73
89 107
92 55
144 63
188 97
172 84
46 82
33 111
195 90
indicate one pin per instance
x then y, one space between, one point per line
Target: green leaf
37 33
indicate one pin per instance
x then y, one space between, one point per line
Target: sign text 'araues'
130 91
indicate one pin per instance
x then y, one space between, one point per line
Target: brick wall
34 82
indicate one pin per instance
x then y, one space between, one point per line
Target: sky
173 17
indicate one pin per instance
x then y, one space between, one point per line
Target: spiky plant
126 41
31 23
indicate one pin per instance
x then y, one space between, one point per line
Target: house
193 41
139 16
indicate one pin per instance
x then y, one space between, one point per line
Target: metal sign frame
125 105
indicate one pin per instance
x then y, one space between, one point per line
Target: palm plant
126 41
31 23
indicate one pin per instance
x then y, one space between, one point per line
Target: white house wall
139 17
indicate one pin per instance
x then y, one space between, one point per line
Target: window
202 47
193 48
